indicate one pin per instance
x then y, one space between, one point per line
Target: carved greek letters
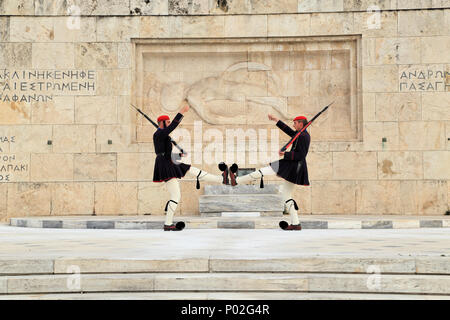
38 85
422 80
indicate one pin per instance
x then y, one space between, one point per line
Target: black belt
161 154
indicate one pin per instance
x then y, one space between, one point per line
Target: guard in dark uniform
292 168
165 168
168 169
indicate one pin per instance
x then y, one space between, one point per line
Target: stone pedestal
243 200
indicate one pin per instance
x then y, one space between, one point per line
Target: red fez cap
163 117
300 118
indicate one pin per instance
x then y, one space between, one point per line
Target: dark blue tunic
293 167
165 168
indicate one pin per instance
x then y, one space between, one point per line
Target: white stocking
255 175
286 192
204 176
173 186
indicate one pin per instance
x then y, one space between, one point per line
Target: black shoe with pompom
224 168
233 169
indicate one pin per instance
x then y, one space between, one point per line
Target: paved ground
26 243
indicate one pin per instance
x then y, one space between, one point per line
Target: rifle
287 145
156 126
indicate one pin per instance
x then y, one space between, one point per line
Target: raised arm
176 121
284 127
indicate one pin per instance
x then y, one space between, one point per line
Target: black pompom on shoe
223 166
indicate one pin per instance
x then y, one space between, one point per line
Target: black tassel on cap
198 182
261 184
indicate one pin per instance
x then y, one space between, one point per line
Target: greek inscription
423 80
7 139
12 167
41 85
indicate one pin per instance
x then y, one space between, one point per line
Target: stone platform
220 199
224 264
236 220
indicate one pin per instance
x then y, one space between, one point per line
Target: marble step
308 264
240 215
237 282
218 295
241 203
242 189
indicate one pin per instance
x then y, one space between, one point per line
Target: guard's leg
290 205
201 175
257 174
173 186
286 193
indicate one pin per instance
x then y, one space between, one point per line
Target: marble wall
70 144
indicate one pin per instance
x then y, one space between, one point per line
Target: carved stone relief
241 85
